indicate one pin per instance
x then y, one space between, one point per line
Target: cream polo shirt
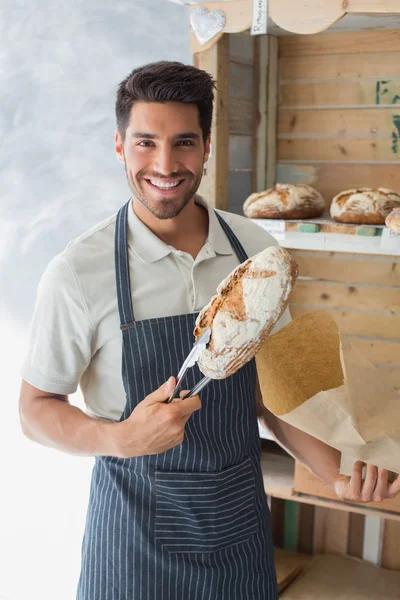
75 336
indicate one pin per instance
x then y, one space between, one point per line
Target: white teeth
164 186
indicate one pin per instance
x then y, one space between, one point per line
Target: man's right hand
154 426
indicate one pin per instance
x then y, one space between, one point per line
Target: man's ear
119 147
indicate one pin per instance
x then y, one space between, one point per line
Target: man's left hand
374 488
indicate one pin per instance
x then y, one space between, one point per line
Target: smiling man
177 508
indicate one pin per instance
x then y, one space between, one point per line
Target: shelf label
260 17
390 241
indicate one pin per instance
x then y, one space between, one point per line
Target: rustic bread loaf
248 304
393 220
364 206
285 201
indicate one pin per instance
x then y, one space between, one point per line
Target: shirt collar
149 248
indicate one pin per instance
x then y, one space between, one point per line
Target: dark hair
166 81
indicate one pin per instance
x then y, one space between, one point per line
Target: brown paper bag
311 377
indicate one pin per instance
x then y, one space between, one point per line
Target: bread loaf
285 201
393 220
364 206
248 304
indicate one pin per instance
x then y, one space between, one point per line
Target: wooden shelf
278 473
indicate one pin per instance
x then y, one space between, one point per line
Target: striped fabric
192 523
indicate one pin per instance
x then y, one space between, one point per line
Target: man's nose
165 162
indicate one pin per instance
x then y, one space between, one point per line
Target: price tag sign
260 17
390 241
274 227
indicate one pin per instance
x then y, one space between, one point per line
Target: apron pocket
205 512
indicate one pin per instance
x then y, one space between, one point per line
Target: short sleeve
60 339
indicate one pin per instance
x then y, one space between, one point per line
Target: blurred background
60 65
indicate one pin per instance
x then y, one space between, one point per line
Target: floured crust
364 206
245 309
393 220
285 201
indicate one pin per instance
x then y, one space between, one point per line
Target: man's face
164 155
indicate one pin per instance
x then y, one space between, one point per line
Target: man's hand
154 426
374 488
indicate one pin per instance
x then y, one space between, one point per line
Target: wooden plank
214 185
272 111
356 535
240 81
261 122
288 565
342 123
336 531
390 558
313 16
305 533
239 187
339 295
334 149
240 116
353 93
379 65
331 529
241 48
240 152
332 178
354 42
335 266
378 352
358 323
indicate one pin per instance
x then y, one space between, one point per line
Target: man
177 508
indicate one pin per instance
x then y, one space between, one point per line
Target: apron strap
236 245
122 260
122 266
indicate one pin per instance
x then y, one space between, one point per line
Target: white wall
60 64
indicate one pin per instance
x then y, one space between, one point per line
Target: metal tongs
190 361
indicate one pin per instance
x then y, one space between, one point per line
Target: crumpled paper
314 379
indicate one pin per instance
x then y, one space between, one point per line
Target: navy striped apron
191 523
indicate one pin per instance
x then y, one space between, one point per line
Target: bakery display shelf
324 224
327 235
278 473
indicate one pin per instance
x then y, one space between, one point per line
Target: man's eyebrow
188 135
143 134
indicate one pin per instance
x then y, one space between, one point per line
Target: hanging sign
260 17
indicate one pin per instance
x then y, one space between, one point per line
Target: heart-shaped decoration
206 24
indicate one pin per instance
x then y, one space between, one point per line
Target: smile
164 186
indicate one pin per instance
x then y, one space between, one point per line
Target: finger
356 480
369 483
187 407
163 392
381 487
394 487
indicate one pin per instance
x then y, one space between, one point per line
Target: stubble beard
166 208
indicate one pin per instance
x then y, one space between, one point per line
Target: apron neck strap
123 279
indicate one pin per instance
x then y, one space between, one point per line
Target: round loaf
245 309
364 206
285 201
393 220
